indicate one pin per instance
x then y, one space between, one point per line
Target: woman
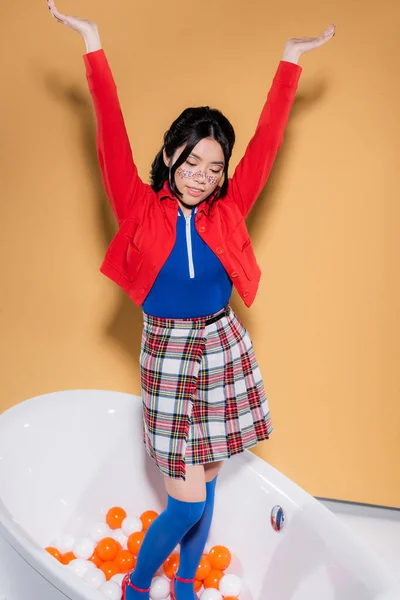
181 246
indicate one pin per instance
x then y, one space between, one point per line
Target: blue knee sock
192 547
160 540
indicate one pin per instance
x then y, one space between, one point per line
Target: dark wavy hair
192 125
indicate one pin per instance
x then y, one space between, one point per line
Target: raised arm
120 177
253 170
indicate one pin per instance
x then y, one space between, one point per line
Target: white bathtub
66 457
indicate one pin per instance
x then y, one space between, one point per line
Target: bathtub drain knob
277 518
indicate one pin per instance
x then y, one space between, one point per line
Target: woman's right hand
83 26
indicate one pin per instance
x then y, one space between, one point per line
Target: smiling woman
203 394
205 168
197 149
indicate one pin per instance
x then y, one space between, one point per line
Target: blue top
192 282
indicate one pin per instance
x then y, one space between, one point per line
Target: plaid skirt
202 391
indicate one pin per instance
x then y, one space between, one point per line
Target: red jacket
147 220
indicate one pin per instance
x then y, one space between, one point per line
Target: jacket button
202 228
219 251
245 293
234 274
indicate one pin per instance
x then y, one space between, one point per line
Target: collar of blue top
204 206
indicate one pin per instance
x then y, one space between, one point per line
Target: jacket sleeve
254 168
120 177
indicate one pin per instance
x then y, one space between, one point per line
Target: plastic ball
197 585
204 568
125 561
54 552
64 543
135 541
147 518
131 525
83 548
107 549
213 579
211 594
67 557
220 557
159 588
115 516
230 585
119 536
98 531
79 566
95 578
109 569
118 578
111 590
96 560
171 565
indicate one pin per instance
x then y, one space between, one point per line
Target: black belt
224 313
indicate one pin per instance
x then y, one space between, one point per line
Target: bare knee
212 470
193 489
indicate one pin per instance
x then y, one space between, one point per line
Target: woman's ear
166 159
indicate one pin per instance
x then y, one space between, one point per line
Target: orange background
325 324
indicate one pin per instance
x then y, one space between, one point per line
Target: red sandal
126 581
172 591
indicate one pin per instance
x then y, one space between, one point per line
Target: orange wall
325 324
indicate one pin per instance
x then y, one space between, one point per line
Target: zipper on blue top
189 240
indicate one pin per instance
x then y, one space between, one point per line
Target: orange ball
135 541
198 585
109 569
54 552
115 516
147 518
96 560
67 557
220 557
107 549
213 579
171 565
204 568
125 561
230 598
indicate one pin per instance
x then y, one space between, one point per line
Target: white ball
160 588
230 585
64 543
211 594
98 531
131 525
94 577
80 566
120 537
118 578
83 548
111 590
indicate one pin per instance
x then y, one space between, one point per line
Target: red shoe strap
136 588
184 580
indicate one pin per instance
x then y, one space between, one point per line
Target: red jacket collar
204 206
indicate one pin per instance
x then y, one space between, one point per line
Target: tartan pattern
202 391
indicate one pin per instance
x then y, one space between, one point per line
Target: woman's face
199 175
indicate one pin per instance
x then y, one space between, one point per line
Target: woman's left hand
295 47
